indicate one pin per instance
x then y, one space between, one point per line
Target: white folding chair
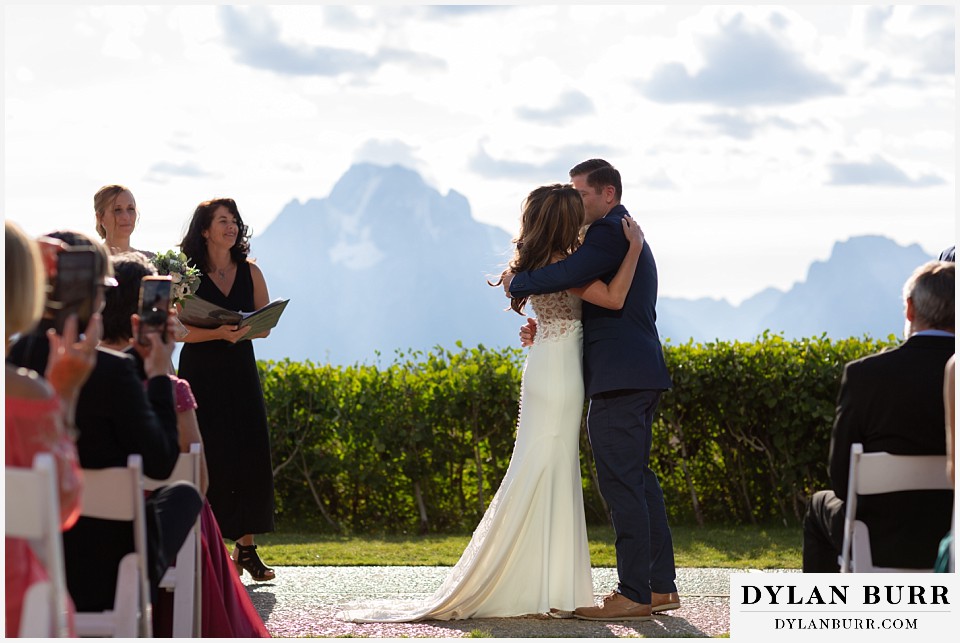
184 579
116 493
33 513
881 472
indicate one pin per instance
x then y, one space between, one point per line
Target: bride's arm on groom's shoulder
614 294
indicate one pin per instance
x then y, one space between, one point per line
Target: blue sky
750 138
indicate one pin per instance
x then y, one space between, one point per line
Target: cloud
554 169
745 65
570 104
658 181
923 35
342 17
457 10
163 171
877 171
255 39
743 127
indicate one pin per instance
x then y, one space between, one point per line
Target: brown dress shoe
616 607
664 602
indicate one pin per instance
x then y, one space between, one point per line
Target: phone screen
74 289
154 307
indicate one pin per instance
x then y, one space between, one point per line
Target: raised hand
156 354
631 230
72 357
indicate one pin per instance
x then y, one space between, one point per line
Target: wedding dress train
529 553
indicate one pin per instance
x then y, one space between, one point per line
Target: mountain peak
362 180
380 243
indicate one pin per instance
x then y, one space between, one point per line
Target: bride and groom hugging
594 296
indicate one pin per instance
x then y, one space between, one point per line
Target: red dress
227 610
34 426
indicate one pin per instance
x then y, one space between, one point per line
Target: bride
529 553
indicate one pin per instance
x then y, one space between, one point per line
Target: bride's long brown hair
549 228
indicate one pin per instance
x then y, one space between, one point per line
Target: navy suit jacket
893 401
621 348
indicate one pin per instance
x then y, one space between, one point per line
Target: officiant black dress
232 418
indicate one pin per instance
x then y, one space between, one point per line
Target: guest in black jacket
893 402
116 417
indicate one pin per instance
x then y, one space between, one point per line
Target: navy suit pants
619 425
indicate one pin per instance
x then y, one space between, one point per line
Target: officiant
221 367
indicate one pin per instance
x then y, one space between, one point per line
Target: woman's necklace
222 272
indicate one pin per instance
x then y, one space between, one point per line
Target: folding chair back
33 513
184 578
116 493
881 472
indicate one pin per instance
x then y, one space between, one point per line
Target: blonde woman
38 412
117 216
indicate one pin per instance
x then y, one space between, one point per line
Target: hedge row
422 443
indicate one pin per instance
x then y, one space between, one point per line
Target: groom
624 374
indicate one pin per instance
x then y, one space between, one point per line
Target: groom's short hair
599 173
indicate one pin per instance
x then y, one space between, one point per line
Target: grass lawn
736 547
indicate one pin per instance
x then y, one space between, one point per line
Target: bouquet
185 276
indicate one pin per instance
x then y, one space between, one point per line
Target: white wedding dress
529 553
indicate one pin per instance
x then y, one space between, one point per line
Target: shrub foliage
422 443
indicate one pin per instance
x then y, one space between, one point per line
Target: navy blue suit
624 375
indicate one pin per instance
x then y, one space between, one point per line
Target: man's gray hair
931 288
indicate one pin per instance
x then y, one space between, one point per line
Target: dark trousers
823 533
619 425
174 510
92 549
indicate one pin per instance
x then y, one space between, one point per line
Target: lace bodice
558 314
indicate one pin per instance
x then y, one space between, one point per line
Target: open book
201 313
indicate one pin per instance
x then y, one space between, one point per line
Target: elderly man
893 402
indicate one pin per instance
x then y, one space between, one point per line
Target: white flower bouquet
185 276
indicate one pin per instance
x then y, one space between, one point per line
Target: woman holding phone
227 609
221 367
39 409
117 216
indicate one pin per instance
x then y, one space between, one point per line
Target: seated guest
949 254
116 417
893 402
38 415
119 317
945 558
227 609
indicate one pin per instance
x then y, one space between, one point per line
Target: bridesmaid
222 370
117 216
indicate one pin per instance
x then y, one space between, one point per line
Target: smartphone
74 290
154 307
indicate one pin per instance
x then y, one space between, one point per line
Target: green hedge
422 443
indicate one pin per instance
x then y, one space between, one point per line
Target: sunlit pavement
303 601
